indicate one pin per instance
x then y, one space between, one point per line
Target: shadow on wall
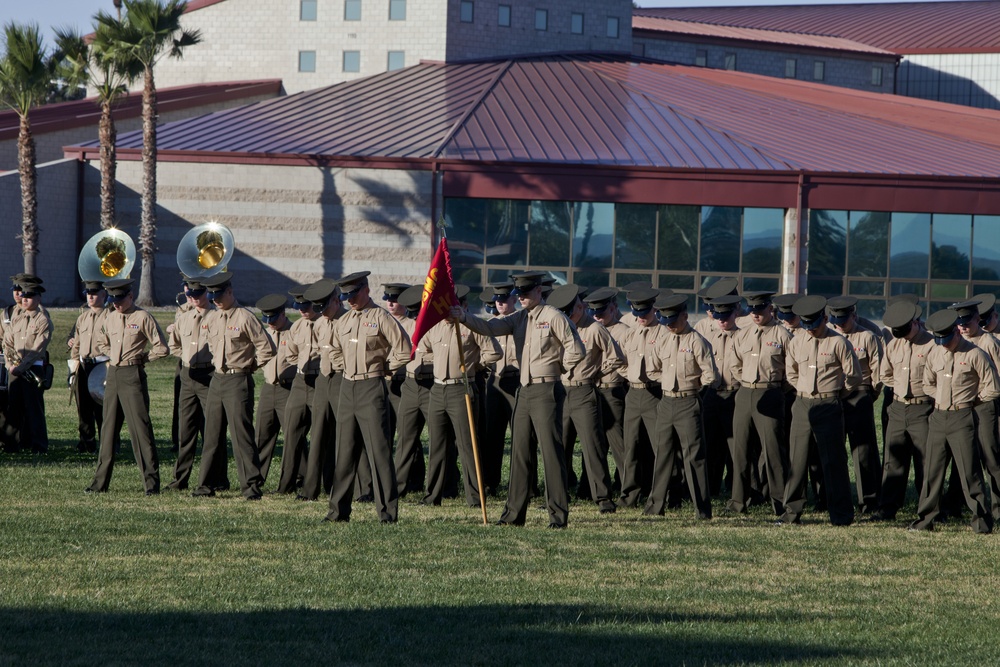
418 635
916 80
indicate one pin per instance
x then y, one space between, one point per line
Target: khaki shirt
547 342
685 360
87 338
27 338
439 344
127 334
723 348
988 343
508 364
869 352
279 369
324 329
618 331
759 354
602 356
640 364
903 365
826 365
369 343
421 362
302 348
963 376
237 340
188 340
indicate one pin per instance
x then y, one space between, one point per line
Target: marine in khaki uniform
720 288
602 305
369 345
128 332
686 367
448 421
859 405
823 368
279 374
643 398
959 376
582 409
25 348
906 427
188 341
84 355
719 403
390 301
414 404
501 390
989 321
547 347
758 364
986 411
303 352
239 346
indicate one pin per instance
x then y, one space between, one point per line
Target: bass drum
96 381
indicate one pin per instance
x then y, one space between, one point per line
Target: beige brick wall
260 39
291 224
56 261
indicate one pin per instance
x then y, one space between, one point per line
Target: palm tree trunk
109 165
147 226
29 198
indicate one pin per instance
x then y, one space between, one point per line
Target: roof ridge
457 125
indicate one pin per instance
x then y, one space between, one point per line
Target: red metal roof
903 27
597 110
776 37
81 113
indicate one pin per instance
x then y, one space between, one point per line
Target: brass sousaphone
205 250
109 254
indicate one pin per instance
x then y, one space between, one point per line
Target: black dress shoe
255 496
367 498
91 489
555 525
305 499
152 492
608 510
203 492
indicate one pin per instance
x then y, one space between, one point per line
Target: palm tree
149 30
68 67
110 73
24 82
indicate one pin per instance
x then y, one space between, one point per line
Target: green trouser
905 438
126 399
230 397
859 424
448 426
270 421
191 404
762 409
678 423
413 412
641 405
582 417
298 414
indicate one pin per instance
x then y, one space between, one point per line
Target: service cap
841 307
758 299
810 310
391 291
941 325
721 287
118 288
967 310
411 297
564 297
319 292
271 306
724 306
987 302
898 317
501 291
92 286
670 307
351 284
527 281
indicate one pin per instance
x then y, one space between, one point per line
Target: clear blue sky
78 13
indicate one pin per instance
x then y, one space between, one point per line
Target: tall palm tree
110 72
148 31
24 82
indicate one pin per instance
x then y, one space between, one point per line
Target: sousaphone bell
205 250
108 254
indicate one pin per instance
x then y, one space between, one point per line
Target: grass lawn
121 579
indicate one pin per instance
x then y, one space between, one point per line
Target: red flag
439 294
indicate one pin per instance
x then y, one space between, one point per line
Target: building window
730 62
352 10
465 13
541 19
397 10
307 10
397 60
819 70
876 75
576 23
503 16
701 58
307 61
352 61
790 68
613 27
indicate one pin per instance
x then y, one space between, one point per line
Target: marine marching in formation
758 400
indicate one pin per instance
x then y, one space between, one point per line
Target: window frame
730 58
315 9
314 59
543 14
388 61
572 23
471 7
819 70
343 61
791 65
617 23
510 16
397 3
349 4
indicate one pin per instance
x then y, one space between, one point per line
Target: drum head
96 380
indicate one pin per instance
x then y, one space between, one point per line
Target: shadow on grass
483 634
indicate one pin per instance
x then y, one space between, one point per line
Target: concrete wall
291 224
483 37
848 72
49 146
971 79
57 217
262 38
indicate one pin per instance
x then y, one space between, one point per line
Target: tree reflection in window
720 239
869 244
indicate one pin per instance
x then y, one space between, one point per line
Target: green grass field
122 579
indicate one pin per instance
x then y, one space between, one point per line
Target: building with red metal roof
600 170
950 51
